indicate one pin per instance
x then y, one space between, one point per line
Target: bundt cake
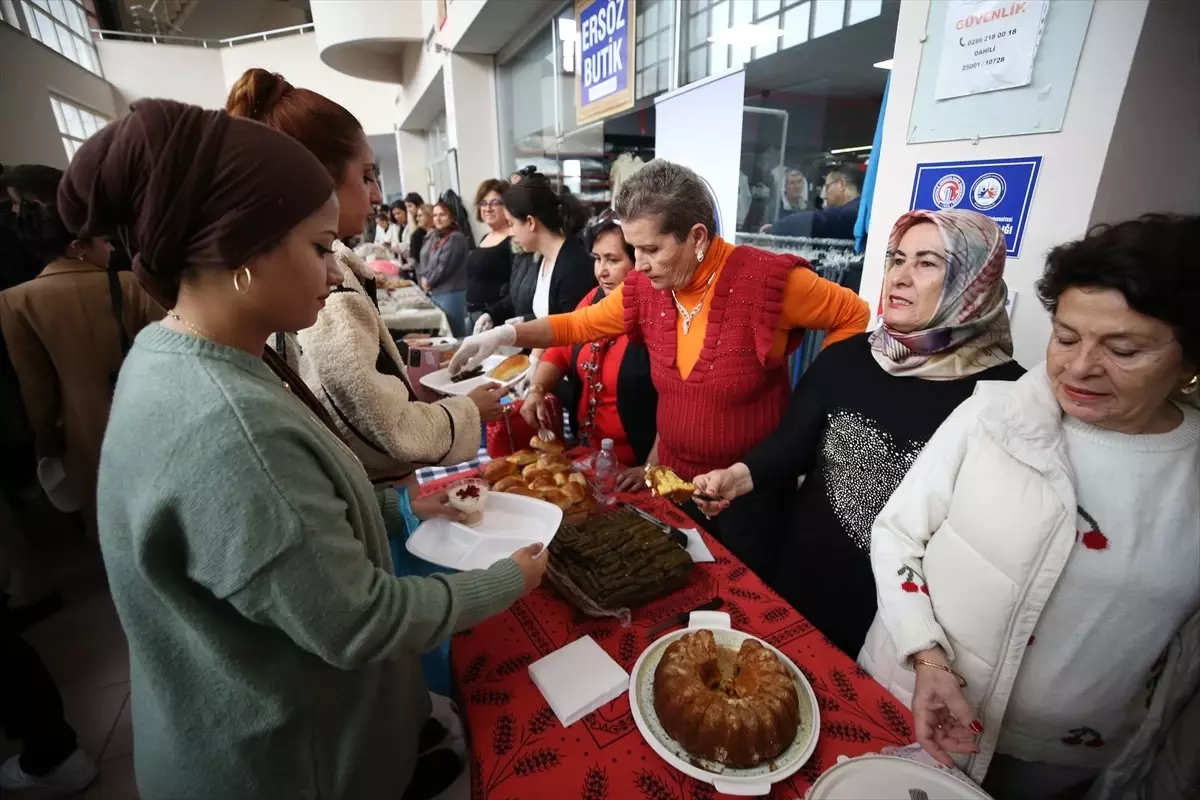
738 708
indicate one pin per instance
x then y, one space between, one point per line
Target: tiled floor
85 651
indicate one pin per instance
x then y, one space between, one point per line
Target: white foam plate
439 381
509 523
890 778
752 782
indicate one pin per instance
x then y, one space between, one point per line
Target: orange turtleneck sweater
809 302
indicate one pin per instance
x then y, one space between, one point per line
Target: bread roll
574 491
523 491
510 368
558 498
560 478
554 446
534 471
504 484
545 482
577 477
555 465
523 458
496 470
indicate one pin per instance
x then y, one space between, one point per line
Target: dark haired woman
349 358
387 232
443 271
1039 602
66 332
553 271
607 382
489 266
273 650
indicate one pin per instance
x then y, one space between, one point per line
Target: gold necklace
688 316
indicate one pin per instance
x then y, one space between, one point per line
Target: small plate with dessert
724 707
496 525
506 371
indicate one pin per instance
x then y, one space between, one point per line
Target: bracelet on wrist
962 682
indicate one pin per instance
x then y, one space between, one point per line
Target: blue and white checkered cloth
429 474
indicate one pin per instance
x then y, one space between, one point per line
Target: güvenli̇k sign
604 73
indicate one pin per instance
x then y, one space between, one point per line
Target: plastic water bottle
604 467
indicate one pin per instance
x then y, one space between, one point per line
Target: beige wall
187 74
297 59
1073 159
203 76
1153 161
29 72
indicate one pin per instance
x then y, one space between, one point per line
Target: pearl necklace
688 316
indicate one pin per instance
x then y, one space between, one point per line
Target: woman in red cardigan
608 383
719 322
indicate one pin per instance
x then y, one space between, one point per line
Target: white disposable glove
475 349
484 323
522 387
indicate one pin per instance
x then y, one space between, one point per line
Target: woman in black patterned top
863 411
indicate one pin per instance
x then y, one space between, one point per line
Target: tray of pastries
541 471
616 561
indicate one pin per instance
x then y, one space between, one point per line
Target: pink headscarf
969 332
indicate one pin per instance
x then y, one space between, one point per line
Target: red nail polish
977 726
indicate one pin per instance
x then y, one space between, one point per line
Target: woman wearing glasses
489 266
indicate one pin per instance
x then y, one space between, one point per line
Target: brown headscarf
185 187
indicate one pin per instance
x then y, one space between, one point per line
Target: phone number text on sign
989 45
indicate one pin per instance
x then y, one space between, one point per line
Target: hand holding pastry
725 485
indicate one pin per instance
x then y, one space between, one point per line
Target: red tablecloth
522 751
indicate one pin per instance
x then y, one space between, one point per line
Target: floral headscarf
969 331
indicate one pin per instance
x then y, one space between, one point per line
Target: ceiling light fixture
851 149
746 35
884 64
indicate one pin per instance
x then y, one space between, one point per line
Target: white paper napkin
696 547
577 679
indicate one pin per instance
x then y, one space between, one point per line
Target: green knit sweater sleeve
325 593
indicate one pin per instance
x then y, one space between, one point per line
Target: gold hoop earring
1192 386
237 284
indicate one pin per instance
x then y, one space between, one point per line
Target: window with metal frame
62 25
75 123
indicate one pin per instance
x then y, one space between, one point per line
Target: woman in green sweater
273 652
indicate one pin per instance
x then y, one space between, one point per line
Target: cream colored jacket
986 519
350 362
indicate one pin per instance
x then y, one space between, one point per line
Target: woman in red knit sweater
608 382
719 321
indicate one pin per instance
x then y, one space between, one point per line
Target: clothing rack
832 259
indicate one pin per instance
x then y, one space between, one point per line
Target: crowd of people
1012 551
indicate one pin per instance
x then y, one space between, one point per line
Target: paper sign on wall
604 79
989 45
1000 188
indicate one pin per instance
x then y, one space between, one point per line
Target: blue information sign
604 84
1001 188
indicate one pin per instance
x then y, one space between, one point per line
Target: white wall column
410 146
1073 158
471 121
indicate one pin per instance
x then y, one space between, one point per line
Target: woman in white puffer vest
1038 569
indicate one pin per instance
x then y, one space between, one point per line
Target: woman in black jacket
555 271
